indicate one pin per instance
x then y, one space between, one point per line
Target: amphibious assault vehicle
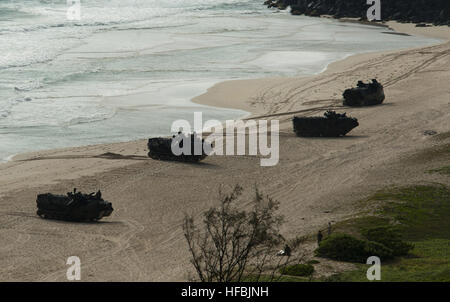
331 125
160 148
364 94
75 206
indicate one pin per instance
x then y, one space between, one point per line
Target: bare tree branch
236 245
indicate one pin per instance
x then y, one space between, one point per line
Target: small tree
235 244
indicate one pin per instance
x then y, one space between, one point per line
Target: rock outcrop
436 12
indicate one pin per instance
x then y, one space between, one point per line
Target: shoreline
316 181
251 86
254 86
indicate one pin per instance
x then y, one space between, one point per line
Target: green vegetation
344 247
301 270
430 263
408 228
390 238
419 214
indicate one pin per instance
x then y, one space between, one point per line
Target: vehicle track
334 104
122 243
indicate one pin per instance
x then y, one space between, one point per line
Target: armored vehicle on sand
75 206
364 94
160 148
331 125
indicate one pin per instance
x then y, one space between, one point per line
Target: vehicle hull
335 126
364 95
60 207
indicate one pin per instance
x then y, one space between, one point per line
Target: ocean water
128 68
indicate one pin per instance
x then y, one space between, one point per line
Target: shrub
344 247
234 244
389 238
302 270
377 249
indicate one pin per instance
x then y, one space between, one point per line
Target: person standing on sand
287 250
319 237
329 228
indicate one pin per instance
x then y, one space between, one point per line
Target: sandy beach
316 181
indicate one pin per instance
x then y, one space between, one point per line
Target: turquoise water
127 69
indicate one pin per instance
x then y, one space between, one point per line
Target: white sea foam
296 61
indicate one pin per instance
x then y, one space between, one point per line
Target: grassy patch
299 270
355 226
418 212
430 262
421 215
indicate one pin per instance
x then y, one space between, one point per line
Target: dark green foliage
431 264
373 248
389 238
344 247
301 270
